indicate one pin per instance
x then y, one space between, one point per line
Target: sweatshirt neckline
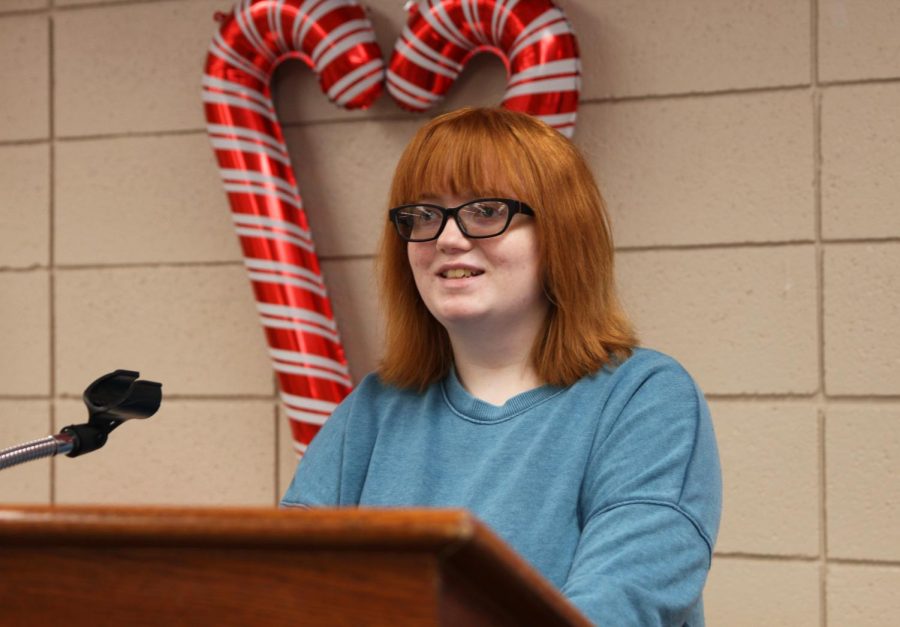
474 409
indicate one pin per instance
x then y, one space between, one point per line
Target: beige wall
750 153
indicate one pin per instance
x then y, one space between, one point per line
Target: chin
452 317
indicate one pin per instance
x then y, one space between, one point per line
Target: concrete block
24 205
344 173
25 98
195 329
132 67
743 592
860 160
862 595
22 421
192 452
858 40
862 337
68 3
736 168
741 320
646 47
23 5
770 470
25 332
141 200
353 288
862 453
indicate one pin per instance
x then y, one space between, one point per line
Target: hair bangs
478 160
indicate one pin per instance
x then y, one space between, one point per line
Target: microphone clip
111 400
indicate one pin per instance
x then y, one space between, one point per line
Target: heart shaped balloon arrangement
336 40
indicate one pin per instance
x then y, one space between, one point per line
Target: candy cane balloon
532 38
336 40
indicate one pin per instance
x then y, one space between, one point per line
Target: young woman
511 383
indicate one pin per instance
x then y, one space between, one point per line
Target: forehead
456 200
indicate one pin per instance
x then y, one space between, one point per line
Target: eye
405 218
418 215
424 215
487 210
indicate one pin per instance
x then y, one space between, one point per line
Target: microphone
111 400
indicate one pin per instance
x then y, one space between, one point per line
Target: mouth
460 273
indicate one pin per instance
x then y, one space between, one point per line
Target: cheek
413 254
532 277
419 258
522 261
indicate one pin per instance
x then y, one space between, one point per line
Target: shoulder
650 372
372 390
653 407
372 402
367 395
645 372
333 469
646 362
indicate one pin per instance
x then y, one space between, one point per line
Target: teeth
458 273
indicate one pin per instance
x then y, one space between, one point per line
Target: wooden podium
217 566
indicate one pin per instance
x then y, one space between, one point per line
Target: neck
494 365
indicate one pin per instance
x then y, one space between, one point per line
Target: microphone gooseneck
36 449
111 400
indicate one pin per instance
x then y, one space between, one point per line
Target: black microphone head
119 395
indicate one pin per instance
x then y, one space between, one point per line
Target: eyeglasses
476 219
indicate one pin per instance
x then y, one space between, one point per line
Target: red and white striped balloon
532 37
336 40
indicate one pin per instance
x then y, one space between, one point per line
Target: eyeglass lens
480 218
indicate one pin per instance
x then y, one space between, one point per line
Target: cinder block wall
749 152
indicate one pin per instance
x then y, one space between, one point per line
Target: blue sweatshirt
610 487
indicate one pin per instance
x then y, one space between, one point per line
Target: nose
451 238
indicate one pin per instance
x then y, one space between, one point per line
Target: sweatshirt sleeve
650 502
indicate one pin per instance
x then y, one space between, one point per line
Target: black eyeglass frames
476 219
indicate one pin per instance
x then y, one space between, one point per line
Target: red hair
494 152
